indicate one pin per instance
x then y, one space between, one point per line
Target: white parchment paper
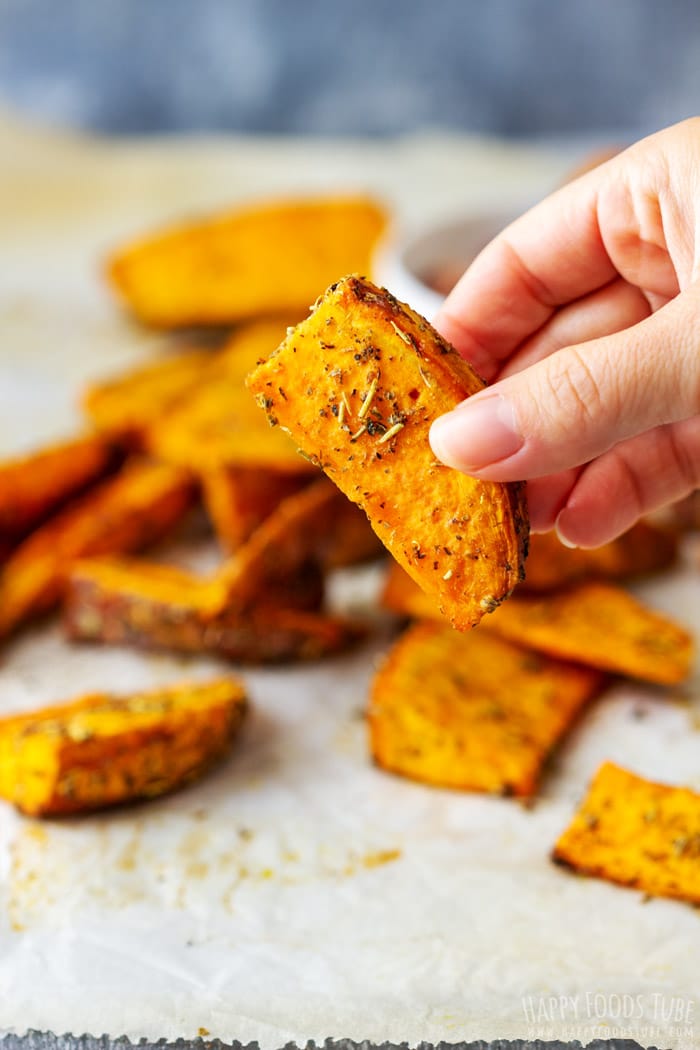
298 892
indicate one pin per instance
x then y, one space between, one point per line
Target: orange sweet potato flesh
238 499
471 711
124 513
643 549
259 259
636 833
218 424
102 750
357 385
592 623
121 602
310 525
33 486
125 406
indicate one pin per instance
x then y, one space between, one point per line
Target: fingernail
562 538
477 433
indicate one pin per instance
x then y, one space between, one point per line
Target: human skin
584 316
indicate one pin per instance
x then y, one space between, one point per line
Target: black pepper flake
334 410
374 427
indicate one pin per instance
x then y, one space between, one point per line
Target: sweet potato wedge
259 259
637 833
238 499
218 424
644 549
357 385
102 749
351 539
121 602
472 711
124 513
600 625
592 623
126 406
33 486
307 525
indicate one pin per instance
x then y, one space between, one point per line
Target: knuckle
577 393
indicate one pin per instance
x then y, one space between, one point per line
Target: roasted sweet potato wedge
259 259
304 526
126 406
357 385
351 539
637 833
33 486
102 749
218 424
472 711
124 513
600 625
644 549
238 499
121 602
592 623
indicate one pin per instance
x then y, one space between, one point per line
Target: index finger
552 255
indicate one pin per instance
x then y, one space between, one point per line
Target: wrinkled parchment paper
298 892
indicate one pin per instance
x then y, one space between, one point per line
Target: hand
584 314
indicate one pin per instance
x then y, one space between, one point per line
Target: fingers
578 403
635 478
636 216
552 255
547 497
616 306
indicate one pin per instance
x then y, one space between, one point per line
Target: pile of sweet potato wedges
474 695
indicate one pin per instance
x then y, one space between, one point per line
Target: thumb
579 402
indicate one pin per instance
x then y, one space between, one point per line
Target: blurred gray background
510 67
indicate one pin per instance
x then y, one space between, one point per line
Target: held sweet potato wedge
121 602
357 385
592 623
471 711
124 513
643 549
218 424
102 750
637 833
260 259
126 406
33 486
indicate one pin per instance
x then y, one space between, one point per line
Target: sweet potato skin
636 833
102 750
357 385
471 711
262 259
592 623
125 513
33 486
118 602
